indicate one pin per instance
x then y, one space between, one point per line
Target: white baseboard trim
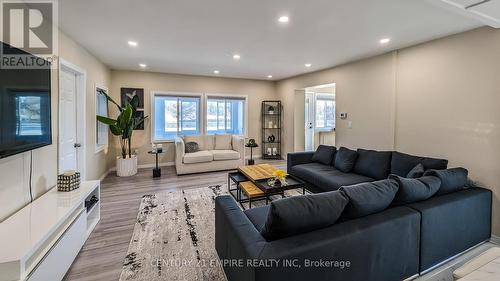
495 239
143 166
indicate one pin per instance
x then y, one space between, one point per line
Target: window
175 115
101 108
325 112
225 115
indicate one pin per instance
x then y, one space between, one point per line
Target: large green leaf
115 130
124 120
106 120
135 102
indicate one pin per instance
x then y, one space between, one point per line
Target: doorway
319 116
71 137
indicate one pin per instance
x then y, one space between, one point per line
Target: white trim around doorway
81 84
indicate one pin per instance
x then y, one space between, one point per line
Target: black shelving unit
271 126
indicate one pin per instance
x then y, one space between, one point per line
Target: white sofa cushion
204 142
225 155
223 142
198 157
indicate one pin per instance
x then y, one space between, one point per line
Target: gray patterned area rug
174 239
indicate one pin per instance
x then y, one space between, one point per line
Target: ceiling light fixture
216 72
236 56
132 43
385 40
143 65
283 19
269 76
308 65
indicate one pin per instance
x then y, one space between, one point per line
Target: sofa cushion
300 214
225 155
414 190
345 159
402 163
223 142
198 157
258 216
417 171
204 142
368 198
326 177
451 179
191 147
373 164
324 154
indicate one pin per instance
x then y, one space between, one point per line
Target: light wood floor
102 255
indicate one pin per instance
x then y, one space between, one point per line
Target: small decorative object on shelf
68 181
278 179
251 144
158 147
271 129
270 110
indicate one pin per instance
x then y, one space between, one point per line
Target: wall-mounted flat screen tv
25 111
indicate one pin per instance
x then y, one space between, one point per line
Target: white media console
41 241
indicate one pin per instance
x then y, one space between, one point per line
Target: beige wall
363 90
448 104
256 91
438 99
14 170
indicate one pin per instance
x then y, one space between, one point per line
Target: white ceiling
199 36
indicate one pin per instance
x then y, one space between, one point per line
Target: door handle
77 145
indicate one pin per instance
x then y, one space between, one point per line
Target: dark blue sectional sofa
399 242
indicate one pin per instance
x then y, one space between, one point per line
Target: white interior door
309 121
68 156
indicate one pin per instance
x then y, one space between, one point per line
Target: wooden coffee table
256 186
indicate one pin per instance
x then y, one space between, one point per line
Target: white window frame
228 96
175 94
99 148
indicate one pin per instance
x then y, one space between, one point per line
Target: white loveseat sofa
217 152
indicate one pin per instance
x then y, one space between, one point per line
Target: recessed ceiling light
132 43
269 76
385 40
283 19
308 65
216 72
143 65
236 56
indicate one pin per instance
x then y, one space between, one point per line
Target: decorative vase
126 167
275 151
269 151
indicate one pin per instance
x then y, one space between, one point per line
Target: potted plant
123 127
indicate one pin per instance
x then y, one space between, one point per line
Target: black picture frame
139 114
128 93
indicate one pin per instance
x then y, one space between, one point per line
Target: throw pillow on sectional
301 214
451 179
192 147
369 197
345 159
373 164
324 154
414 190
417 171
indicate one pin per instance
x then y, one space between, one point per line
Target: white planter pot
126 167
